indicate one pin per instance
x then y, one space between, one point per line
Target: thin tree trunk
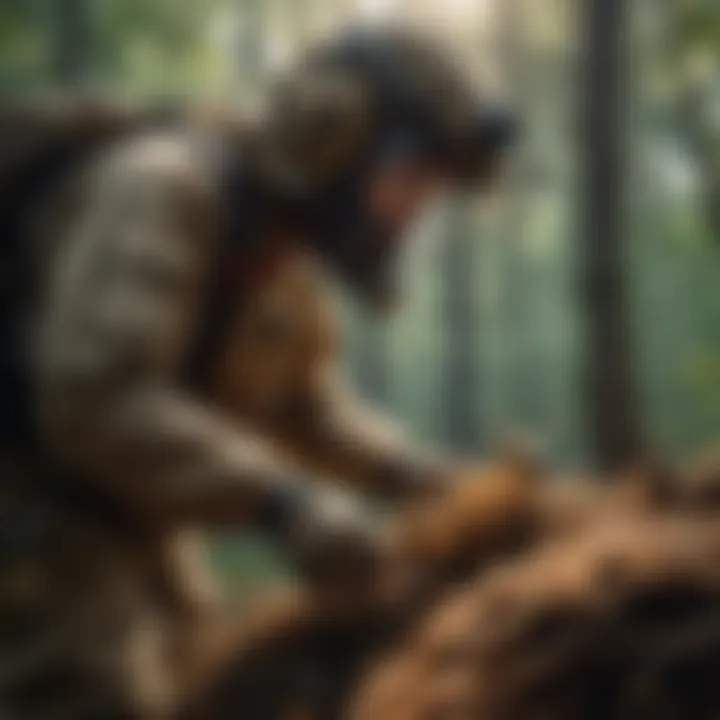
520 332
608 383
373 362
695 119
72 42
460 324
251 47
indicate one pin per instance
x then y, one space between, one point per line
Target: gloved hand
329 537
334 542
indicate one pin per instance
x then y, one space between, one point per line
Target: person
175 362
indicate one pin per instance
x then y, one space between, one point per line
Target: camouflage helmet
355 102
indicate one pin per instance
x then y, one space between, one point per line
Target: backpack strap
228 285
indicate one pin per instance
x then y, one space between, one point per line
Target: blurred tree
251 45
156 47
674 263
460 327
694 60
72 41
373 362
609 382
523 381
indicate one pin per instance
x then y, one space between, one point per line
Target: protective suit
177 357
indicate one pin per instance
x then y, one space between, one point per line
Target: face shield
361 248
377 99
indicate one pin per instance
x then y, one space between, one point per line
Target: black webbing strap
237 236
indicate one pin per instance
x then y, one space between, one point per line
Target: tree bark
609 381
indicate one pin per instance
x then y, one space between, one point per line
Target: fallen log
518 598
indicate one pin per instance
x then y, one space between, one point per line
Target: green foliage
23 50
699 24
151 47
247 563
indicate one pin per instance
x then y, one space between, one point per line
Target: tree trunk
250 47
524 381
72 42
373 362
608 382
459 322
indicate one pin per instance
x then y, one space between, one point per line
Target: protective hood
352 105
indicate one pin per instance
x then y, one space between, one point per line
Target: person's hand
334 543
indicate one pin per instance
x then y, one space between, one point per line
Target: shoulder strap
238 238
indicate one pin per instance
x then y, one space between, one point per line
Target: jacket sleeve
121 304
333 430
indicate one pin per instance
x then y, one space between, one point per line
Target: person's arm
119 312
334 431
